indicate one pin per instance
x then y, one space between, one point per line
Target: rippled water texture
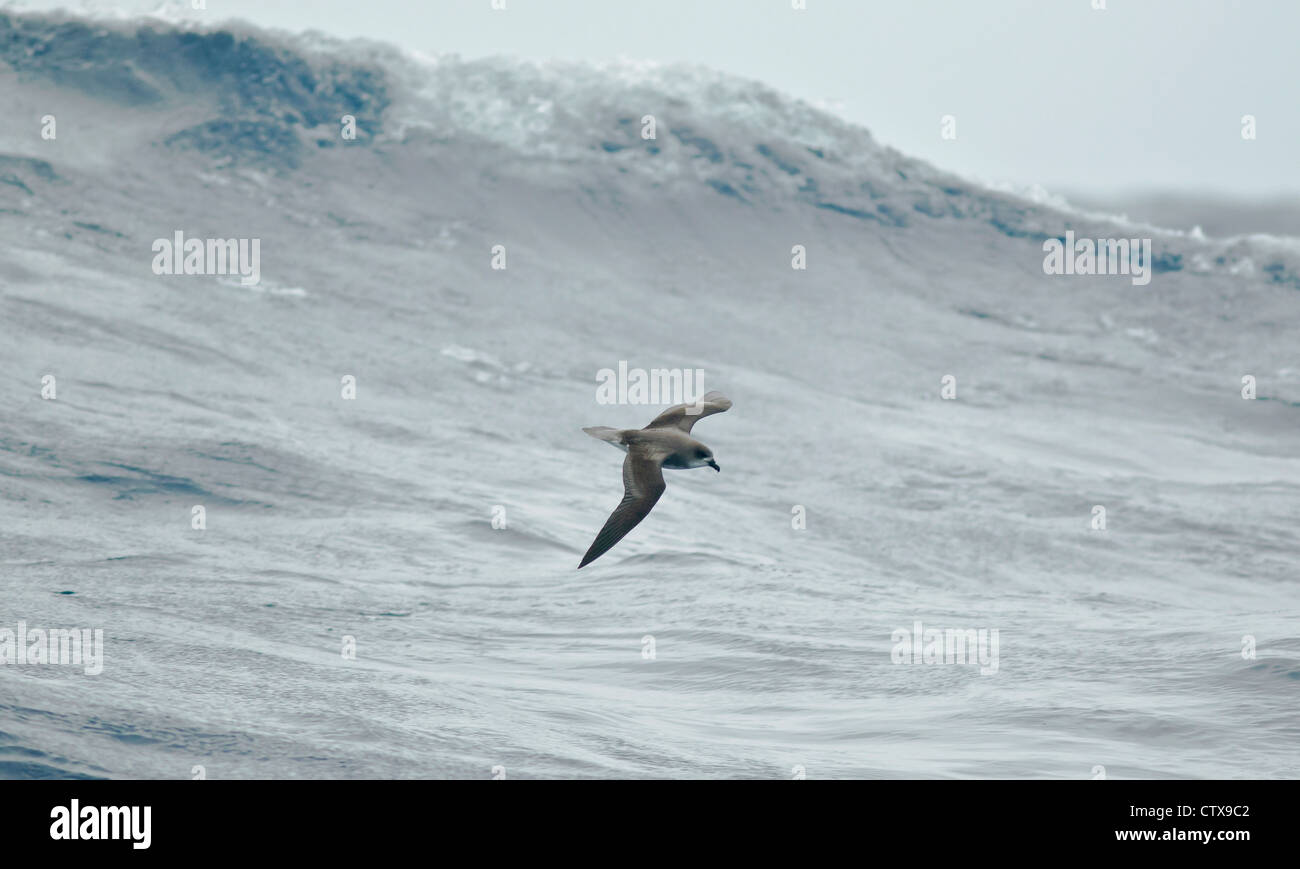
480 647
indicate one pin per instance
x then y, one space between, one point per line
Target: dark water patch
21 762
935 207
11 163
726 189
15 181
138 64
780 162
27 448
145 484
22 172
1282 401
889 214
141 482
1167 262
847 211
1012 230
260 142
20 770
95 227
882 212
705 148
126 733
1280 273
1278 669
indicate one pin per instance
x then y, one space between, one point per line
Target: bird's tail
605 433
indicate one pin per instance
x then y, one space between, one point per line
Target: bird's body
665 443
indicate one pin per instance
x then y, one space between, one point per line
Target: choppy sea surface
719 639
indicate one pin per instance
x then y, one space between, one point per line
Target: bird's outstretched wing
643 483
683 416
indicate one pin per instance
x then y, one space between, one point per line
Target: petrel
665 443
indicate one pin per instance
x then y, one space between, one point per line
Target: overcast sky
1144 94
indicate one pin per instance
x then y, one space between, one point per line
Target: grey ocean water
480 647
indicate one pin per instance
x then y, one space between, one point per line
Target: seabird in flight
665 443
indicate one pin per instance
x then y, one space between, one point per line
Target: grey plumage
665 443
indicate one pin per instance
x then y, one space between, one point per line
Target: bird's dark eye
701 454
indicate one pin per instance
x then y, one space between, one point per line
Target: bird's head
704 458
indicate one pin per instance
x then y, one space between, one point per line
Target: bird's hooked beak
713 464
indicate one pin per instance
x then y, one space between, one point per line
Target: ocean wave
273 98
